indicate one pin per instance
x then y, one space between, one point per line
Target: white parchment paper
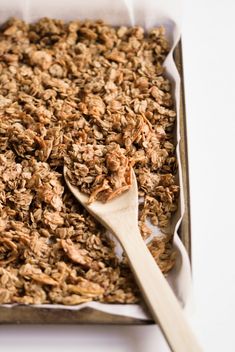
148 13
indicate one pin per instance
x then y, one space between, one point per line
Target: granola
95 98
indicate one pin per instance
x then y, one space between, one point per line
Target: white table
209 59
209 55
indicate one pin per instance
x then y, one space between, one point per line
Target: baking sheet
120 12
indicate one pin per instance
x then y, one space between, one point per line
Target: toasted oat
95 98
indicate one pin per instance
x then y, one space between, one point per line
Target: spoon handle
158 295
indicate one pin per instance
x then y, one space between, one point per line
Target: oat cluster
95 98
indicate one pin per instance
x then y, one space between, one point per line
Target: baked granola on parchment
95 98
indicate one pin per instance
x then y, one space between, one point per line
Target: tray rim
185 226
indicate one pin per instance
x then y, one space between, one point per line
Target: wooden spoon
120 216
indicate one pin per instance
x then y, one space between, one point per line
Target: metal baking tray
32 315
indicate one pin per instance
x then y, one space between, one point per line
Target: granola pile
95 98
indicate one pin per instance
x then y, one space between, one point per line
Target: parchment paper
148 13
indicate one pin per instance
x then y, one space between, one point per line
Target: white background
209 60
